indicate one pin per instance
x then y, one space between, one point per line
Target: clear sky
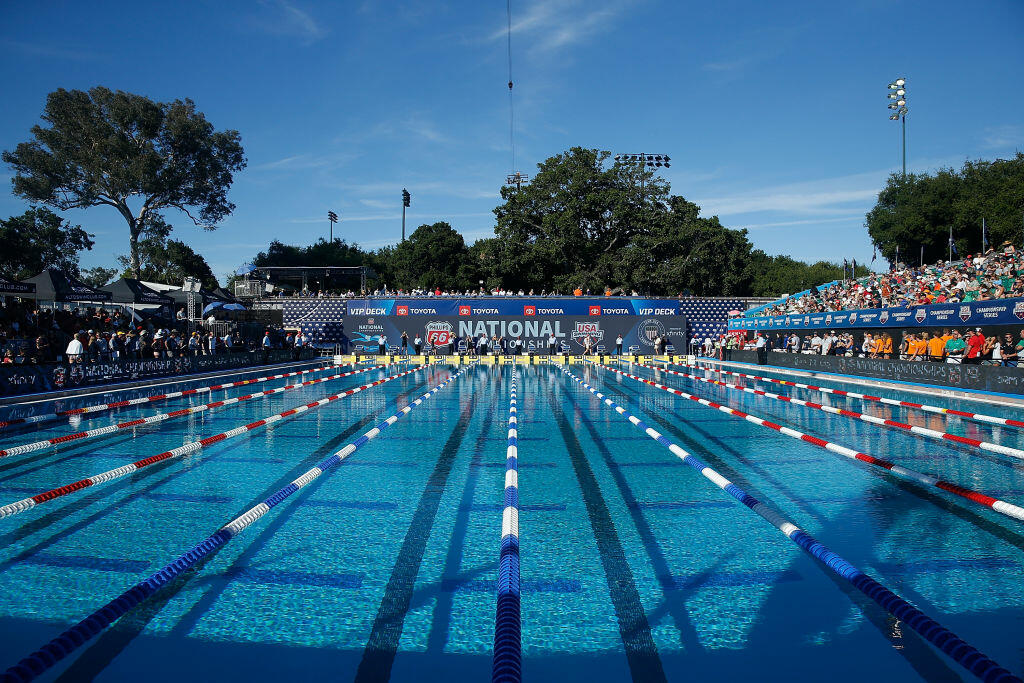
773 112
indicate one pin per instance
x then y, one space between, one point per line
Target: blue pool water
633 565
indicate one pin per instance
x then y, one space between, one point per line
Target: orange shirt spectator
577 292
936 347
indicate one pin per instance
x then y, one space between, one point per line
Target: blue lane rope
506 665
67 642
945 640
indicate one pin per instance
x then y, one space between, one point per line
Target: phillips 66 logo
439 333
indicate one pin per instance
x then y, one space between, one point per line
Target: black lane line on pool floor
115 639
382 645
674 604
916 651
451 570
634 629
1003 533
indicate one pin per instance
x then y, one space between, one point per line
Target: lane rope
1000 506
507 664
110 475
945 640
90 410
853 415
163 417
1009 422
67 642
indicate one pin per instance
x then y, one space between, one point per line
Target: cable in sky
511 109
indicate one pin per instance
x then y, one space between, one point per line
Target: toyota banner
440 322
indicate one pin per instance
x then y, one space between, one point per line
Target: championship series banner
977 313
440 322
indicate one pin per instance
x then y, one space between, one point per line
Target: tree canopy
39 239
111 148
582 222
920 210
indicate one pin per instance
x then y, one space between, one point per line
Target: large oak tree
128 152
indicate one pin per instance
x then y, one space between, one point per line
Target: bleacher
707 317
320 319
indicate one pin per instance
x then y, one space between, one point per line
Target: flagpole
983 236
950 242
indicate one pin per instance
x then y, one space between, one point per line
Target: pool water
633 565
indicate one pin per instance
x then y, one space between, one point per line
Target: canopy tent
246 269
57 286
13 288
223 306
131 291
224 295
180 296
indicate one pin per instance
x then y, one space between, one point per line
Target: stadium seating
707 317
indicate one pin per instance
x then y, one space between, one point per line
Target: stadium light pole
644 160
332 218
517 179
406 202
897 96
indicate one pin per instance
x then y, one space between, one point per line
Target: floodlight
901 82
894 106
901 102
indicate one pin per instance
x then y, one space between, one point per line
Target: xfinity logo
656 311
366 311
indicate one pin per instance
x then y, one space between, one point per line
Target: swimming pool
633 566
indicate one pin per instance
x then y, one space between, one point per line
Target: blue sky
774 113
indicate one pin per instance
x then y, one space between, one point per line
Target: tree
921 209
433 256
39 239
320 253
170 261
98 276
563 229
112 148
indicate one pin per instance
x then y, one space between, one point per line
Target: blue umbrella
246 269
217 305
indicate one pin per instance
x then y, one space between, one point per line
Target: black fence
1005 380
30 379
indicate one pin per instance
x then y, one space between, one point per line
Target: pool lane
389 564
864 517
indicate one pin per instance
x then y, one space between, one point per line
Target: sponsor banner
977 313
363 334
1008 380
512 306
26 379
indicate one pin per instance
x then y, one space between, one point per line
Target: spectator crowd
88 334
993 275
970 346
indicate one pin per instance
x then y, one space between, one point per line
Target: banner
974 314
27 379
513 306
440 322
